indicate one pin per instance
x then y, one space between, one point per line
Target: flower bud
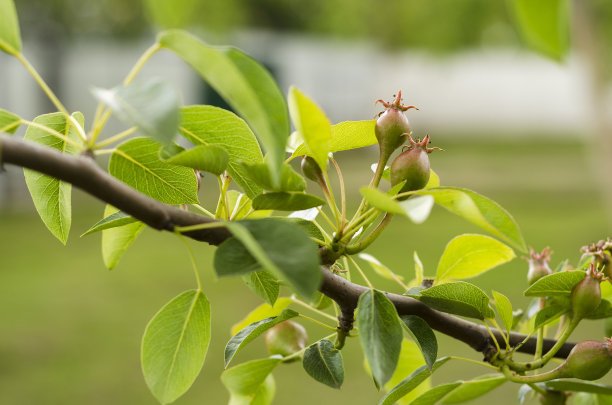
392 126
538 265
286 338
589 360
412 166
601 255
586 295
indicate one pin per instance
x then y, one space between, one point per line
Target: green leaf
247 378
469 255
435 394
9 122
544 24
580 386
378 267
323 362
10 38
434 180
381 201
555 284
136 162
208 125
347 135
459 298
246 86
113 220
262 312
263 284
207 158
423 336
411 382
603 310
504 309
418 208
380 333
290 180
480 211
115 241
151 105
548 314
312 125
418 270
475 388
263 396
410 359
52 197
278 246
248 334
174 345
283 201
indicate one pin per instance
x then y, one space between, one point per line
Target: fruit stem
541 333
365 278
559 372
358 247
342 195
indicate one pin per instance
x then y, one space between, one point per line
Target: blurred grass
70 330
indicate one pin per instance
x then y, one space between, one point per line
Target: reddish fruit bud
392 126
286 338
412 166
589 360
586 295
538 265
601 255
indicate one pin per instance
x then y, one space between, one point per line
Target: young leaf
548 314
208 125
479 210
475 388
263 284
380 333
544 25
113 220
263 396
136 162
283 201
174 345
246 335
434 180
411 382
312 125
9 122
423 336
290 180
52 197
381 201
579 386
603 310
151 105
262 312
435 394
418 208
504 309
10 38
115 241
246 86
459 298
469 255
555 284
247 378
323 362
207 158
278 246
345 136
378 267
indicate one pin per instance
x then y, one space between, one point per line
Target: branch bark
84 173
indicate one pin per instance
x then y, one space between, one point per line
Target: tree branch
84 173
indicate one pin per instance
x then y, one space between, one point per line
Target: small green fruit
553 398
586 295
392 126
311 169
412 166
589 360
538 265
286 338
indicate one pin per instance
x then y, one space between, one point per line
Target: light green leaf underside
174 345
261 312
246 86
247 378
9 122
347 135
208 125
469 255
114 220
381 201
10 38
264 395
136 162
283 201
115 241
504 309
475 388
435 394
207 158
555 284
378 267
52 197
458 298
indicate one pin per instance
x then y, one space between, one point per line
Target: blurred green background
70 330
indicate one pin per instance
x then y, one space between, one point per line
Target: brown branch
84 173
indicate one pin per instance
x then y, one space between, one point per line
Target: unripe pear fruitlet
589 360
538 265
286 338
586 295
392 126
311 169
412 166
